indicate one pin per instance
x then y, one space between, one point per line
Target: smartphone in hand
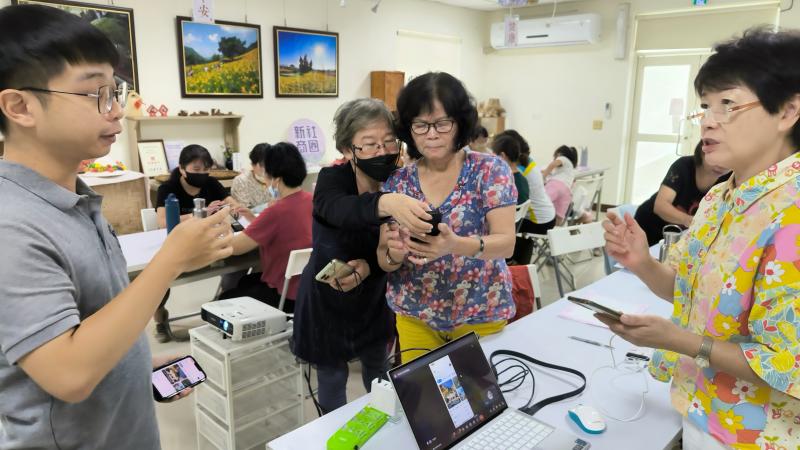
596 307
172 378
436 219
334 270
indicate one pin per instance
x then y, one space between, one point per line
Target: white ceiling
491 5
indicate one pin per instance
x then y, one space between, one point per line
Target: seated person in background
480 140
279 229
507 148
560 175
249 187
688 180
542 214
191 180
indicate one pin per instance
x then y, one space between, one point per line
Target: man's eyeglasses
441 126
721 114
391 146
105 95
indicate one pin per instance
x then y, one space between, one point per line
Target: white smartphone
334 270
596 307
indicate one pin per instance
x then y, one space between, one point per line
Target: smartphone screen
169 380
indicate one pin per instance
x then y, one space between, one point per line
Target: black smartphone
596 307
436 219
172 378
237 227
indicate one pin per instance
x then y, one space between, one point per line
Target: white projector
243 318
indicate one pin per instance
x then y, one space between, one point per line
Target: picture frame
306 62
220 59
115 22
152 157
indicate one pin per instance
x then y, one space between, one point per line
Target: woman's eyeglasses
391 146
721 114
441 126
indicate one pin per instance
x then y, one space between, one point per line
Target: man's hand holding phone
174 377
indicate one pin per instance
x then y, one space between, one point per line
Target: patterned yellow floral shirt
738 280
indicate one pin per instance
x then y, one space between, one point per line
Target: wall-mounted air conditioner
551 31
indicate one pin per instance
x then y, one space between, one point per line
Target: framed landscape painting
222 59
114 22
306 63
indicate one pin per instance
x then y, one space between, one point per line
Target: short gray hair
356 115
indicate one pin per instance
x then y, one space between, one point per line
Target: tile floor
177 420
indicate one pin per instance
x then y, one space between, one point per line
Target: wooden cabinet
135 125
386 85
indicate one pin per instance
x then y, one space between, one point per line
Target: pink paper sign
307 136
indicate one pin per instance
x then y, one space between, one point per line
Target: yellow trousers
415 333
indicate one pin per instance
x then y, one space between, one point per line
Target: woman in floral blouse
732 348
445 286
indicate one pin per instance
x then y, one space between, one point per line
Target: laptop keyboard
509 431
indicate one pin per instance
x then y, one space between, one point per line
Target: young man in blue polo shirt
74 363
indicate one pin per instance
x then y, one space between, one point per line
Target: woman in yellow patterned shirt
732 346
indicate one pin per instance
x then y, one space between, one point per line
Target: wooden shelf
181 118
230 131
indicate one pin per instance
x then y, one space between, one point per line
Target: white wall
367 42
552 95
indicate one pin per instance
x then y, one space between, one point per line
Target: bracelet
390 261
480 250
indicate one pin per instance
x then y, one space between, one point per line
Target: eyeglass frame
379 146
699 116
428 126
121 94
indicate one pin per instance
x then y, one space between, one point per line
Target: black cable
791 5
523 359
518 378
307 375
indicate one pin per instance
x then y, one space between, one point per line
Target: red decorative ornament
152 110
163 110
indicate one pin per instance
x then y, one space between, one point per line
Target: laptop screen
448 393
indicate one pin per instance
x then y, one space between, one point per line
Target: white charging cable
627 367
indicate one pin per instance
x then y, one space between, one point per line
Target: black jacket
331 327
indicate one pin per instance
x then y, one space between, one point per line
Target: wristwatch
704 355
480 250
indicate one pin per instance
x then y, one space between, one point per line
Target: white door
663 98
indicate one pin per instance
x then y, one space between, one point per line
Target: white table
543 335
139 249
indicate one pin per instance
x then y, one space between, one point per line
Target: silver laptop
452 400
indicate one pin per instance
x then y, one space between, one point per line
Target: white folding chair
585 194
565 240
149 219
520 213
297 262
537 287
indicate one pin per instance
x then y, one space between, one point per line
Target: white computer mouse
588 419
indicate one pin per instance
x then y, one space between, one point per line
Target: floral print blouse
738 280
455 290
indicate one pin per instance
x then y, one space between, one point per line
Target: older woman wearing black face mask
191 180
347 318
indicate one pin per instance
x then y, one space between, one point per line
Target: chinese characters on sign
307 136
203 11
